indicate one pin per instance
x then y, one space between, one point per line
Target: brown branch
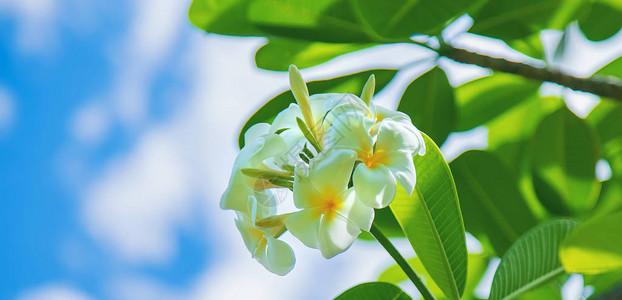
608 87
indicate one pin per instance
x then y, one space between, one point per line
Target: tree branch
608 87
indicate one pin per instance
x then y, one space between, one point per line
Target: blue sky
118 129
118 124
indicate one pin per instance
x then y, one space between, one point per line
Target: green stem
399 259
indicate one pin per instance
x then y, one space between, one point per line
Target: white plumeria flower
386 159
260 145
275 255
379 114
331 217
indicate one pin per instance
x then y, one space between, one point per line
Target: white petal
256 131
355 211
273 145
382 113
257 210
305 194
279 257
336 234
250 234
330 171
236 195
395 136
286 119
374 186
403 168
304 225
349 131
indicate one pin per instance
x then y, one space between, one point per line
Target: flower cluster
340 155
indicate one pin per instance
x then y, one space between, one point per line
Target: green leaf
429 101
603 283
509 20
484 99
432 221
223 17
530 45
613 68
564 156
509 142
551 290
279 53
610 198
399 19
374 291
476 268
605 118
486 187
532 260
321 20
355 21
594 247
602 22
352 83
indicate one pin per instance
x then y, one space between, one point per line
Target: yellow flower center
371 159
330 203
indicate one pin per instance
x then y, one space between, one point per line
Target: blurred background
118 129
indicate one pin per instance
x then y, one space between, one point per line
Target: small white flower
331 217
275 255
260 145
385 158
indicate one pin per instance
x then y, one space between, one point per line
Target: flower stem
399 259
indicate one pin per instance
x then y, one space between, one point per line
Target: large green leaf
510 20
320 20
532 260
429 101
564 156
432 221
487 188
352 83
399 19
594 247
223 17
279 53
476 268
605 118
374 291
509 142
484 99
361 21
603 20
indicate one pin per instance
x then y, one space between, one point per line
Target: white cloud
35 23
7 110
91 123
155 27
136 202
54 292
